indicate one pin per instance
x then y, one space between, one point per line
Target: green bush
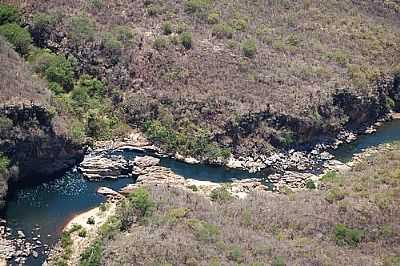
223 30
186 39
124 34
278 261
310 184
205 231
197 7
91 220
110 42
55 68
213 18
167 28
348 236
42 24
154 9
93 86
5 123
160 43
194 188
96 3
4 163
249 48
239 24
92 255
82 29
142 202
221 194
236 254
82 233
9 14
77 131
19 37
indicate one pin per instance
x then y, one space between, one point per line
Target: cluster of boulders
18 248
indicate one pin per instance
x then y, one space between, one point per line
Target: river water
48 206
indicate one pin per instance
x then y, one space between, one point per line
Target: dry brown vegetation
248 59
17 84
352 221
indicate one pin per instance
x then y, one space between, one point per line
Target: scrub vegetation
163 225
256 75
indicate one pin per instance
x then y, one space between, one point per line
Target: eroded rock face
36 149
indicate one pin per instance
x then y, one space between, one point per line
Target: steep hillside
34 143
249 76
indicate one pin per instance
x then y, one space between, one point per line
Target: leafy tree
19 37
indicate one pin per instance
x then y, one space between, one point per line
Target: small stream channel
45 208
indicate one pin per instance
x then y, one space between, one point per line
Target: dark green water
52 204
389 132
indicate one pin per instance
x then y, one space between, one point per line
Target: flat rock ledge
105 166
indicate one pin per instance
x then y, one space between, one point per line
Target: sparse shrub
345 235
236 254
213 18
223 30
5 124
278 261
239 24
82 29
335 194
197 7
154 9
221 194
204 231
110 42
9 14
124 34
186 39
4 163
42 24
104 207
310 184
175 214
93 86
181 27
77 131
55 68
249 48
160 43
91 220
167 28
96 3
92 255
19 37
142 202
331 177
82 233
194 188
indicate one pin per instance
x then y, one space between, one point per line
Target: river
45 208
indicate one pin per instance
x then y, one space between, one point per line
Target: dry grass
305 51
299 228
17 84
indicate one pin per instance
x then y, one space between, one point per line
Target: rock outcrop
37 151
105 166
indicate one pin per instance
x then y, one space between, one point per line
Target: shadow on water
389 132
51 204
